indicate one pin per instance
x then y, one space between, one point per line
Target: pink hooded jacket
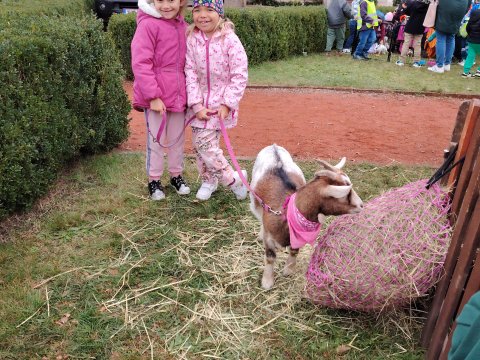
158 60
217 72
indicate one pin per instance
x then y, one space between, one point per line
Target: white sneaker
238 187
346 51
157 195
436 69
461 63
206 191
446 67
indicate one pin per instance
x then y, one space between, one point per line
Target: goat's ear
321 218
337 191
341 164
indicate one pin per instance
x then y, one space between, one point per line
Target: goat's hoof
267 283
288 270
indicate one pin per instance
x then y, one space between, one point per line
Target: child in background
216 70
414 29
430 45
158 59
473 31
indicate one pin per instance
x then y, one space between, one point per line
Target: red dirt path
378 128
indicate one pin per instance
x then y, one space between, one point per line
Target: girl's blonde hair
224 25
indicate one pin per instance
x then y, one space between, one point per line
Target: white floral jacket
216 71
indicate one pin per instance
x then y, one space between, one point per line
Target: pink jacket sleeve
237 59
143 52
194 94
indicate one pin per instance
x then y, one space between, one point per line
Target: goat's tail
279 170
278 159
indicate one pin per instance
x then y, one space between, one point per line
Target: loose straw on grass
144 292
48 301
232 302
63 273
149 340
134 244
31 316
267 323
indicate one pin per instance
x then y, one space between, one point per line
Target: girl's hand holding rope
158 105
205 114
223 112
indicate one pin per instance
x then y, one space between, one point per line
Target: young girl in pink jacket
216 72
158 60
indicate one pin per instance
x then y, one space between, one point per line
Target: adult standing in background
337 13
367 19
447 23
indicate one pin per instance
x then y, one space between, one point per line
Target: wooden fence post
465 239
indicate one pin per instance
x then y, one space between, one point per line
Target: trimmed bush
61 96
266 33
45 7
122 28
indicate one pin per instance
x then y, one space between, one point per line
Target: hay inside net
385 256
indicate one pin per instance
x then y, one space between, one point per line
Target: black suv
105 8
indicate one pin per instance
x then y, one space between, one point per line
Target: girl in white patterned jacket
216 72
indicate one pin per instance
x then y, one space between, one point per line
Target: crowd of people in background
455 35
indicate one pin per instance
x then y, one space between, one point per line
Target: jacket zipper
178 60
207 45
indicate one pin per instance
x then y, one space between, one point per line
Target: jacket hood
148 8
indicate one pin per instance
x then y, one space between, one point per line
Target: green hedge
45 7
61 95
267 33
121 28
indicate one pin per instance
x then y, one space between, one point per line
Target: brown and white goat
275 176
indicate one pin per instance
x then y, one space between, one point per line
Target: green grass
189 270
342 71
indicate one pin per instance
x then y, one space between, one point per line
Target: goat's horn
341 164
337 192
327 165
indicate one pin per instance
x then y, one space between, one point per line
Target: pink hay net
385 256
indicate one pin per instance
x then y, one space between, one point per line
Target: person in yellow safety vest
367 19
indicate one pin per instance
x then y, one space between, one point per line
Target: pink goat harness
302 230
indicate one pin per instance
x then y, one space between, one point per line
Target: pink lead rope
237 167
163 124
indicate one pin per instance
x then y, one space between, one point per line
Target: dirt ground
375 127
